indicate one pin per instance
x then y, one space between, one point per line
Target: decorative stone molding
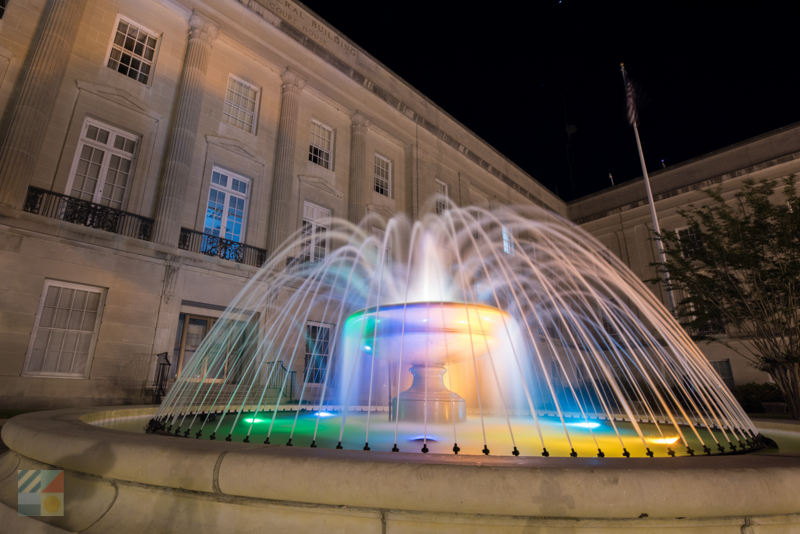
321 184
292 82
118 96
383 211
201 27
360 122
236 147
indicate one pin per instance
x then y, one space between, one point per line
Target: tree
739 261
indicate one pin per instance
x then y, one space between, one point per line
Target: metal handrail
162 375
277 378
212 245
78 211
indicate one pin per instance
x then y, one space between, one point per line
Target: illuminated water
507 331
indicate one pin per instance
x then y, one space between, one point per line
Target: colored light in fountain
663 441
254 420
324 414
423 438
584 425
367 347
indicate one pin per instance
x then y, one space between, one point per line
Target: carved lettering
293 14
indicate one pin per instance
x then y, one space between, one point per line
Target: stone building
154 152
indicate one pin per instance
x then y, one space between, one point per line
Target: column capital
202 27
292 82
360 122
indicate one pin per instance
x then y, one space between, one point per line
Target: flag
630 95
40 492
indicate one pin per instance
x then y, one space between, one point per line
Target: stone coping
609 488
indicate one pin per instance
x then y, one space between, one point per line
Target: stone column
172 188
283 176
37 97
357 204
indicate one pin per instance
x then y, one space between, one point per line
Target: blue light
367 347
324 414
584 425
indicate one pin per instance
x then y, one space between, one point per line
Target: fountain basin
122 482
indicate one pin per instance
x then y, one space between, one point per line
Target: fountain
488 369
504 326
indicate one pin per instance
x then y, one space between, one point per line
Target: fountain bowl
121 482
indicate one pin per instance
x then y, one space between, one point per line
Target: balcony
223 248
78 211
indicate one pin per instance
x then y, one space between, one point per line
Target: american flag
630 94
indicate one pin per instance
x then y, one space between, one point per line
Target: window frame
312 145
508 239
110 150
95 332
257 104
696 239
445 194
151 33
375 177
328 356
229 192
323 222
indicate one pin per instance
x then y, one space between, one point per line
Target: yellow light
663 441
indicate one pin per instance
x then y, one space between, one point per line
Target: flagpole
633 119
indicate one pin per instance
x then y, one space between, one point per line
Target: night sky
708 75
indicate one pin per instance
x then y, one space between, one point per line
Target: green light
253 420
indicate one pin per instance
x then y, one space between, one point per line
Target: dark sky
707 74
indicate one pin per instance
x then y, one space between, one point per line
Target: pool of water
325 428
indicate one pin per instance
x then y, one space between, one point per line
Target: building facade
154 152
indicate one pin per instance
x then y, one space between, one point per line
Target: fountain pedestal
441 404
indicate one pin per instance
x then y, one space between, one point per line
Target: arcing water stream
475 331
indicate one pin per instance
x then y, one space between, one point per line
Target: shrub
751 395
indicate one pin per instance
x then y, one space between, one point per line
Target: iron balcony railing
75 210
211 245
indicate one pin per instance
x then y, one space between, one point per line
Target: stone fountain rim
610 488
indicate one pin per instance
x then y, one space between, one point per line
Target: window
132 51
321 147
317 351
65 331
241 105
383 176
723 369
2 8
508 241
103 165
227 205
316 222
441 196
376 249
691 241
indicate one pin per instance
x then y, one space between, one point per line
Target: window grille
691 241
103 165
65 331
316 223
319 151
317 353
383 176
241 105
133 51
227 205
441 196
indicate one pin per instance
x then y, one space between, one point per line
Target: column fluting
175 175
37 98
280 201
